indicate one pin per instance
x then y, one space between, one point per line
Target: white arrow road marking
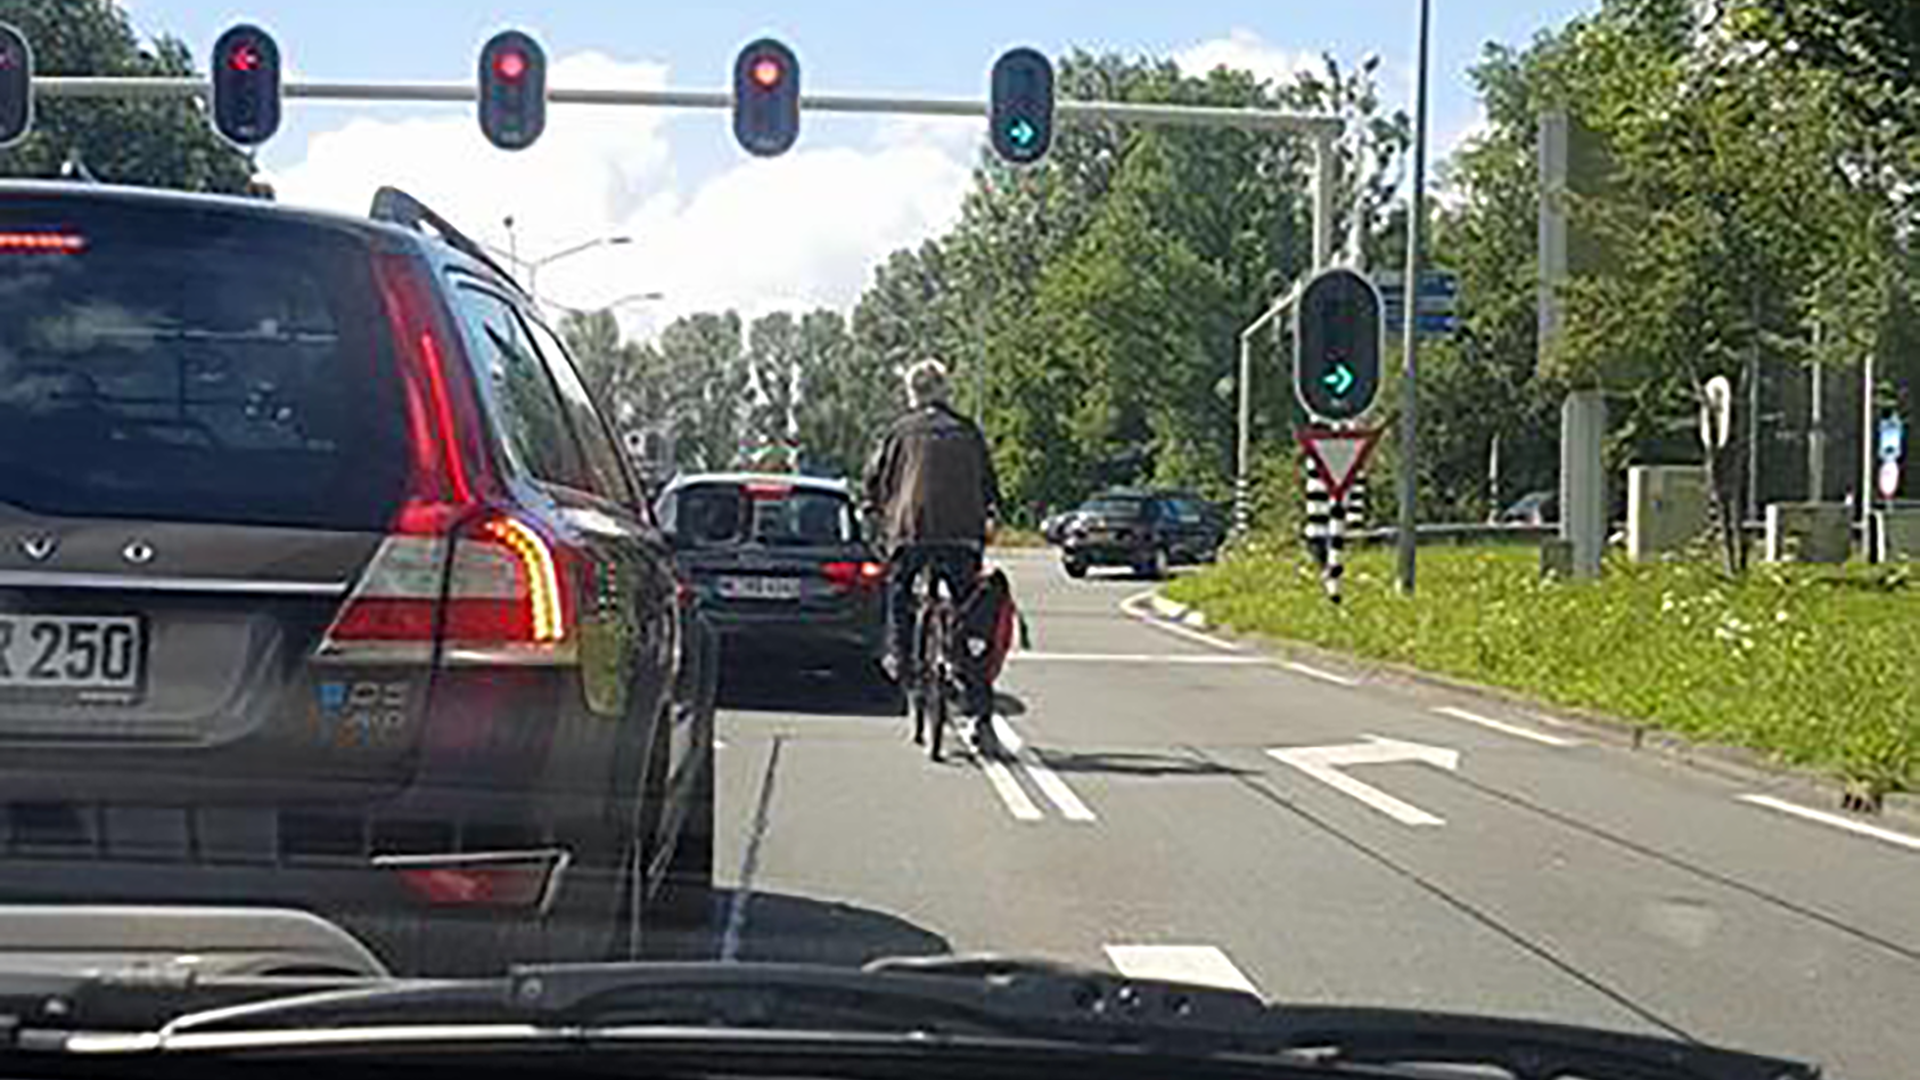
1203 965
1324 762
1505 728
1838 821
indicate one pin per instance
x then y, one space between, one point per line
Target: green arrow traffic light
1021 132
1340 379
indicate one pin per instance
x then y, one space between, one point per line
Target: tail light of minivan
456 569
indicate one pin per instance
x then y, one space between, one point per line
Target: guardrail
1446 532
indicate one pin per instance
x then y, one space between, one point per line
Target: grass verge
1814 666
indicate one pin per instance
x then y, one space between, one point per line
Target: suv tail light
505 599
854 575
483 583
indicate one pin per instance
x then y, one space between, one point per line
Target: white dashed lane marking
1838 821
1505 728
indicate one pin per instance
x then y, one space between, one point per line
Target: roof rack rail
392 205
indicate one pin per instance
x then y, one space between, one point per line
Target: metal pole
1318 125
1409 334
1817 430
1243 450
979 370
1325 170
1867 492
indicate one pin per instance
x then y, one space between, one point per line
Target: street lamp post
630 298
1410 335
533 265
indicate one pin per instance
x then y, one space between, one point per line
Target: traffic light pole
1320 127
1243 448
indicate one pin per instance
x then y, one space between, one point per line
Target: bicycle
938 682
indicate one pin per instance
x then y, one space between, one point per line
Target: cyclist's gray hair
926 383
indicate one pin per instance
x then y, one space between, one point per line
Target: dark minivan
780 567
323 585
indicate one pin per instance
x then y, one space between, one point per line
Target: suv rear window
712 515
190 364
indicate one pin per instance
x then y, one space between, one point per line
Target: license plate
70 653
759 588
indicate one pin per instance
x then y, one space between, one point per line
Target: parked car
780 566
324 585
1148 531
1533 508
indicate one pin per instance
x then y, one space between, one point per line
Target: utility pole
1410 334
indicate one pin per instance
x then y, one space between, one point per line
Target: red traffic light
244 57
510 64
767 72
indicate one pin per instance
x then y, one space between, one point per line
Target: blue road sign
1891 439
1433 306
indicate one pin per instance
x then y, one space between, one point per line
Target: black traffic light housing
1020 111
1337 334
16 86
513 90
246 85
766 98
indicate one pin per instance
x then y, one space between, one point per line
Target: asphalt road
1181 807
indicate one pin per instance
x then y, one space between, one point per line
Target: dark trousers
958 565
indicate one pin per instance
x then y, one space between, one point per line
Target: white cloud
1245 50
801 229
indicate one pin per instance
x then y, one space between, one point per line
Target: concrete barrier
1808 532
1668 507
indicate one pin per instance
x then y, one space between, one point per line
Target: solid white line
1009 738
1010 792
1048 781
1838 821
1131 606
1202 965
1505 728
1056 790
1323 676
1132 658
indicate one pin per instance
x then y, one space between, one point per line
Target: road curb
1175 611
1735 764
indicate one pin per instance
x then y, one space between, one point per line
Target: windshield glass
721 514
1116 507
1381 503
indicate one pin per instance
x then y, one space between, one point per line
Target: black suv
1146 530
324 585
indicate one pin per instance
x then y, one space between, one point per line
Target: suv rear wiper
985 997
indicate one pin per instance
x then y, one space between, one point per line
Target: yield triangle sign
1341 456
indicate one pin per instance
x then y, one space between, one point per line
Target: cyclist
932 484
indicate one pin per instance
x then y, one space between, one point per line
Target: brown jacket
932 479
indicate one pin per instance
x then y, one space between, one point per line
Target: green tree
152 143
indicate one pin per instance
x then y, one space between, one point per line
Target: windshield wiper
981 997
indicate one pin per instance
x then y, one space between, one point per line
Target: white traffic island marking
1838 821
1202 965
1324 763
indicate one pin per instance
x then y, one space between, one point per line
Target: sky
710 227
